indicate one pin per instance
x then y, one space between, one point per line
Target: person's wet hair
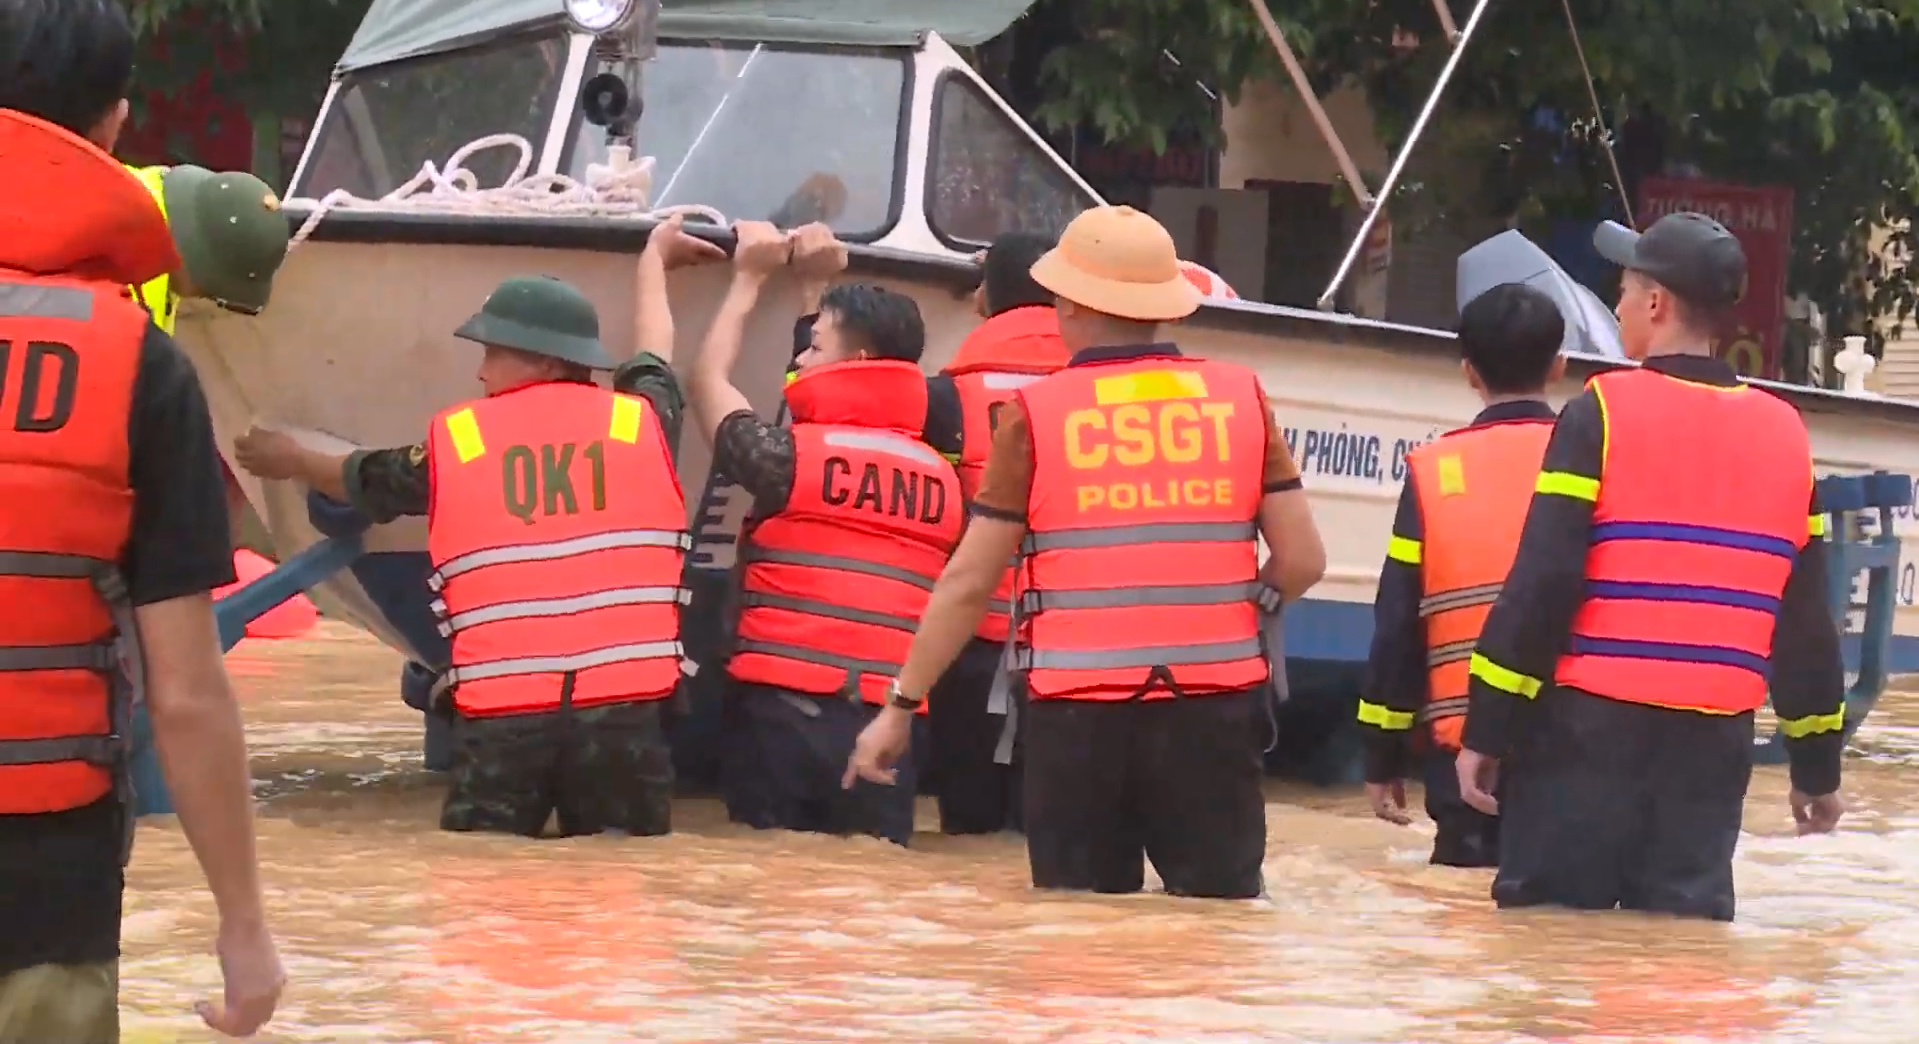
68 62
1511 334
886 324
1007 276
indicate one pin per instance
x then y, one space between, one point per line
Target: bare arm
1298 558
653 311
710 390
196 726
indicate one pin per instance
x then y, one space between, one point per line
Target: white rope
618 188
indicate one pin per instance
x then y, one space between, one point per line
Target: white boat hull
357 350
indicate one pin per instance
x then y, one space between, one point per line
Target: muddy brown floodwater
396 933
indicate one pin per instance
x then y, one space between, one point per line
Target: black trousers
976 795
1111 784
784 755
1609 804
1467 836
602 768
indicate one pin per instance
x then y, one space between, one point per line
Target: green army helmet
230 231
543 315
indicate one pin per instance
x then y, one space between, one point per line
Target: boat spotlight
626 35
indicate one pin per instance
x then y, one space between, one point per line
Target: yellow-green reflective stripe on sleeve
1816 525
1501 678
1794 728
1566 484
1400 549
1384 717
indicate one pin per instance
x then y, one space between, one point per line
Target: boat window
770 134
389 120
987 175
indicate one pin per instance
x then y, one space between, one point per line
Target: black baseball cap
1690 254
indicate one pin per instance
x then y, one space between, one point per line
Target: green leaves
274 65
1819 95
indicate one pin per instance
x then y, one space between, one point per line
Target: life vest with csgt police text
1474 487
557 531
79 229
833 584
1699 515
1002 355
1140 568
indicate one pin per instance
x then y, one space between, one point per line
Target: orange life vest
1474 487
1001 356
1700 514
80 228
834 583
557 533
1140 565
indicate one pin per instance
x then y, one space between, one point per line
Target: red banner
1761 218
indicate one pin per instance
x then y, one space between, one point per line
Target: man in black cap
1672 567
557 533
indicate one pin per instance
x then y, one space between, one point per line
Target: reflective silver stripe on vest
561 664
679 539
880 442
40 565
851 565
1145 656
1132 597
28 300
1463 598
995 605
1000 380
1451 652
103 751
1451 707
853 665
827 609
1155 533
541 607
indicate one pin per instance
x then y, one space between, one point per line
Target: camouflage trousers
602 768
68 1003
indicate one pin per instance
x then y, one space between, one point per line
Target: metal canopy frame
1373 204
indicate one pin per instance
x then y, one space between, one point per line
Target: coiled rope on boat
620 188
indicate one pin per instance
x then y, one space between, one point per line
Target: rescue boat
840 112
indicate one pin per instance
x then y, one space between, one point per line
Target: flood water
393 932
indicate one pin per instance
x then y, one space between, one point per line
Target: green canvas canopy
395 29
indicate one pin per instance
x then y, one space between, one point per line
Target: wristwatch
897 698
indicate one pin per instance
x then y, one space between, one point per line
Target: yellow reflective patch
1149 386
1813 724
1566 484
1816 525
1400 549
627 412
1381 716
1452 476
464 429
1502 678
792 375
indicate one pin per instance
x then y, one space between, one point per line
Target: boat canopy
395 29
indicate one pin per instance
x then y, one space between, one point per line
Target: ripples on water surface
396 933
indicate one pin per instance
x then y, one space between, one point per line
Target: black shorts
976 794
602 768
1179 781
784 758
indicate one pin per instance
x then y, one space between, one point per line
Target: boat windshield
770 133
387 121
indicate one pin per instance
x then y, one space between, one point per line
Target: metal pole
1446 20
1405 153
1305 89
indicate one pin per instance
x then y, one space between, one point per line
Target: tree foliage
1818 95
271 59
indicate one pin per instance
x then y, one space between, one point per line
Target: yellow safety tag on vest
464 429
1452 476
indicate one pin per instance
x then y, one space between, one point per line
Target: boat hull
1352 398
